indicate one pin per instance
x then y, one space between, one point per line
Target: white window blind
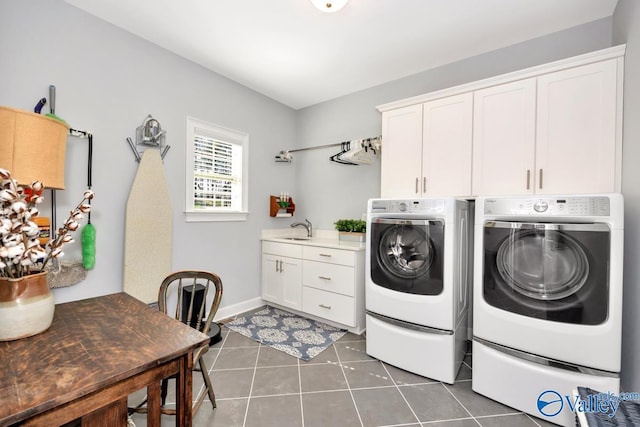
216 173
216 169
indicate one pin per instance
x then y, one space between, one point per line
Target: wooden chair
191 311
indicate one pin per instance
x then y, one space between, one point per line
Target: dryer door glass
542 264
406 255
556 272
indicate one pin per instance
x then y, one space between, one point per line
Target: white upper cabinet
504 138
550 129
427 149
446 146
553 134
576 130
402 152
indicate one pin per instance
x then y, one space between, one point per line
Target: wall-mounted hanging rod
315 147
285 155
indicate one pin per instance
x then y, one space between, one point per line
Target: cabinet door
576 133
401 152
504 124
272 286
446 146
292 282
282 280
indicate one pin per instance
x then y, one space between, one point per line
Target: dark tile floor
257 386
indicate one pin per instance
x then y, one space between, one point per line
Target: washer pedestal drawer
431 355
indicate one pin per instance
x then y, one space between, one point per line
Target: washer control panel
571 206
540 206
409 206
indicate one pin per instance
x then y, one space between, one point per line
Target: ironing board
148 230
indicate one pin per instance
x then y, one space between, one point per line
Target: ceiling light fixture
329 6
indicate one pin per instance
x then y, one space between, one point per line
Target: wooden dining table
97 352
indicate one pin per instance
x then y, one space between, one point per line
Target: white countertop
321 238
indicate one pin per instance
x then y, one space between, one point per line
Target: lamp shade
33 147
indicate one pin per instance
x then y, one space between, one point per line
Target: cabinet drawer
334 256
282 249
335 307
328 277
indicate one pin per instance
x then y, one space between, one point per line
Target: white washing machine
547 300
417 287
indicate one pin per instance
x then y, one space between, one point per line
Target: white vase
26 306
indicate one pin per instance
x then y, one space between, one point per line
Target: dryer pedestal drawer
523 384
335 307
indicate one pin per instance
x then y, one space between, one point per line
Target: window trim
227 135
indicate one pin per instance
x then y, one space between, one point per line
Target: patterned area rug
300 337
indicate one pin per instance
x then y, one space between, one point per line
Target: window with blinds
215 173
216 163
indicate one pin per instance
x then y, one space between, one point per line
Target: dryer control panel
547 206
409 206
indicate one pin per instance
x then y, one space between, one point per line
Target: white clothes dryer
547 299
417 287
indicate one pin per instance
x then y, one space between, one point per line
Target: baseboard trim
241 307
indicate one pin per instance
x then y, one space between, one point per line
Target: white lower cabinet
282 274
335 307
325 283
329 277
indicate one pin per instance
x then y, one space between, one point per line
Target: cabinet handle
540 178
417 183
326 255
424 184
528 179
281 265
277 269
328 307
324 277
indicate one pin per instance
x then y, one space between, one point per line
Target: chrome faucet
306 225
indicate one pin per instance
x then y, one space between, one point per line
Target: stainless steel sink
296 238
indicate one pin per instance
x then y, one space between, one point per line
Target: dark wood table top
91 344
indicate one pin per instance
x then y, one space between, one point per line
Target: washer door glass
542 264
406 255
406 251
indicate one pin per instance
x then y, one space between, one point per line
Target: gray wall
626 29
107 82
329 191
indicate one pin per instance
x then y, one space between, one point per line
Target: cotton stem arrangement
20 252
